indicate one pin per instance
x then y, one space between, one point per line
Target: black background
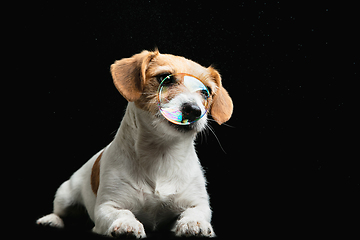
289 165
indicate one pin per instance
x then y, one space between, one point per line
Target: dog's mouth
189 113
193 127
183 128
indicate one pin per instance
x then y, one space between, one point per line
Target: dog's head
138 78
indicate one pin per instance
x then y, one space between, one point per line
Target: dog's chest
154 200
158 207
154 193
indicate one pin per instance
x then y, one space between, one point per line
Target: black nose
190 111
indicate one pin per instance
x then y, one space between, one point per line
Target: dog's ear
222 105
129 74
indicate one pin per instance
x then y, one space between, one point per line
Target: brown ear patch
95 174
129 74
222 105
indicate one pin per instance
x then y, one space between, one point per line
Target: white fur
149 175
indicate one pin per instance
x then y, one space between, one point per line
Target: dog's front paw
52 220
128 228
188 227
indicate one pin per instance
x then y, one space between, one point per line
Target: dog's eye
205 93
161 77
166 79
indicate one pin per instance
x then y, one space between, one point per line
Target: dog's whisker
217 139
113 132
227 125
203 135
224 124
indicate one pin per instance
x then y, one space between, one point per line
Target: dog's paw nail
127 228
194 228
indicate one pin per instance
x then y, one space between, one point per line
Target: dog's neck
155 158
145 139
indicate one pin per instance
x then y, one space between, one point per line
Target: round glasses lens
180 83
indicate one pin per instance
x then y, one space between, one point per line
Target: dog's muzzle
186 112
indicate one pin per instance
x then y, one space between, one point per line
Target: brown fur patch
222 105
95 175
129 74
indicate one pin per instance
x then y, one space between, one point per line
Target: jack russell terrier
150 175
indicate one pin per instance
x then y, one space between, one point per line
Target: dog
149 176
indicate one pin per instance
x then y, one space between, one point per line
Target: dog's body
150 174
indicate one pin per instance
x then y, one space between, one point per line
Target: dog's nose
190 111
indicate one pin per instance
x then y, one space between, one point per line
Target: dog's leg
194 221
112 221
52 220
65 197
